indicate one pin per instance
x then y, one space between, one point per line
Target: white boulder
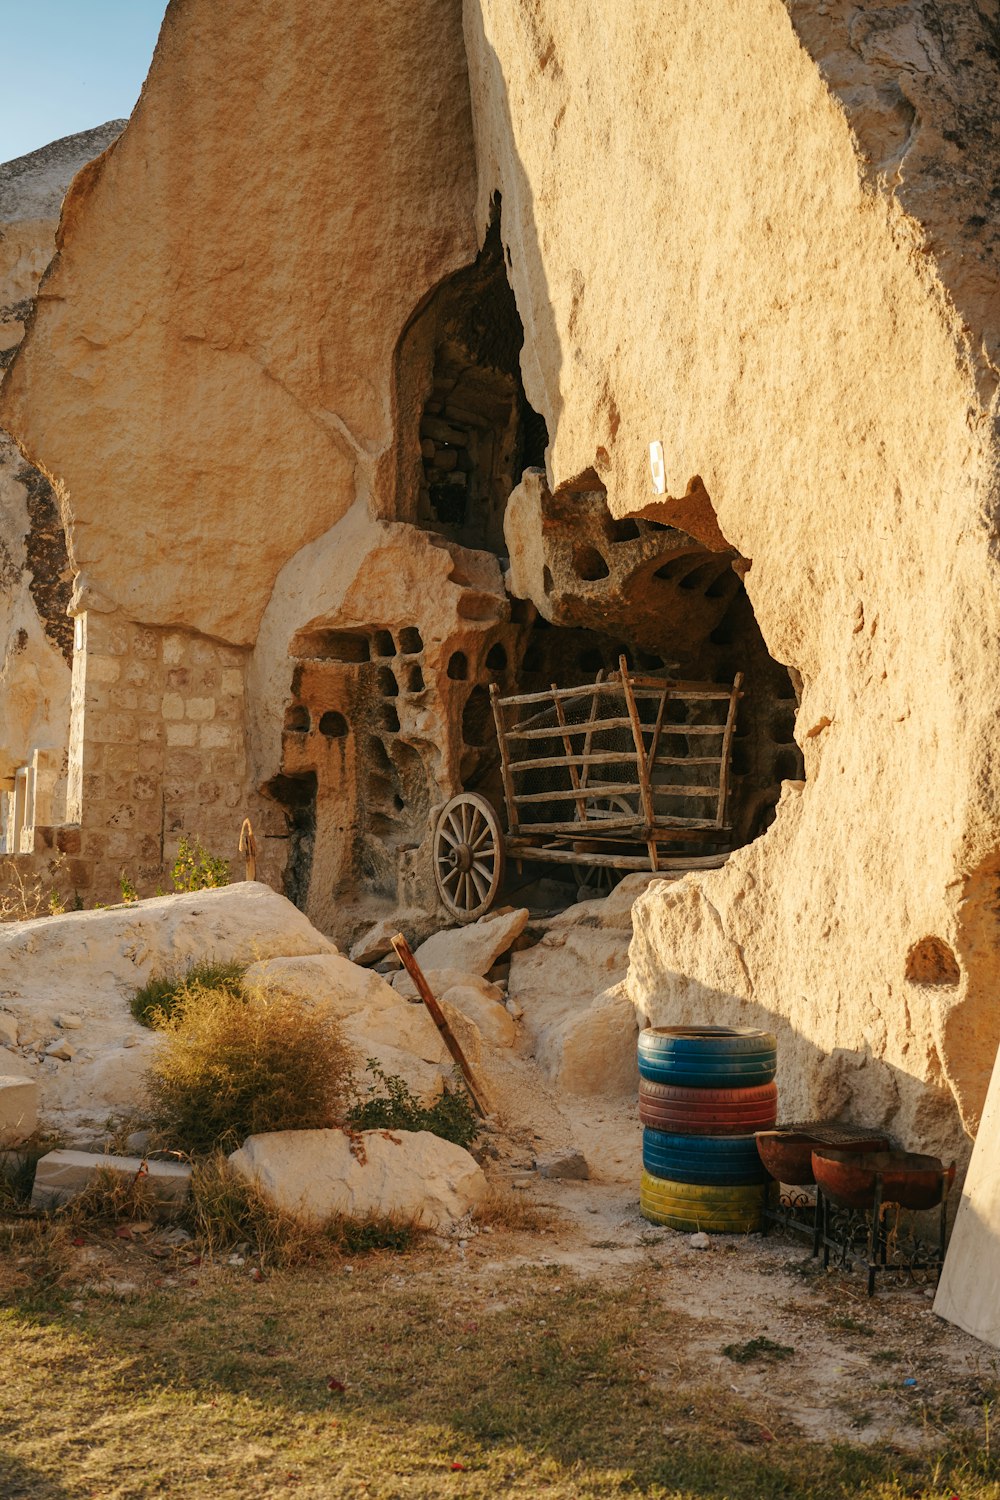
412 1176
580 1023
488 1015
377 1022
18 1109
474 949
83 968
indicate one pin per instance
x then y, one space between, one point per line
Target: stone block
473 949
69 840
145 645
18 1109
172 706
570 1165
103 668
200 708
216 736
182 734
232 682
62 1175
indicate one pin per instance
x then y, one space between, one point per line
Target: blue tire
719 1160
707 1056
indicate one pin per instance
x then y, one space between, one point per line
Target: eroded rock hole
331 645
477 718
414 679
932 961
297 797
333 725
387 683
496 658
624 530
410 640
589 565
297 719
384 643
458 666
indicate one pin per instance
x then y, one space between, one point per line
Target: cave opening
389 719
605 589
462 398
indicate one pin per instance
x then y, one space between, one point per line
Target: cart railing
628 757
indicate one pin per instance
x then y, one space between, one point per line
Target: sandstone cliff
763 234
706 253
36 636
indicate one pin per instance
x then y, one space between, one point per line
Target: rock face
36 636
798 341
526 239
411 1176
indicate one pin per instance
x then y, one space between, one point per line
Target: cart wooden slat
614 749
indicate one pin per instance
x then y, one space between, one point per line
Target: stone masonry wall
157 750
157 745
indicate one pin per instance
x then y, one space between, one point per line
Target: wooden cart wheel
468 856
594 881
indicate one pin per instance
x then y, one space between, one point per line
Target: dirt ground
882 1370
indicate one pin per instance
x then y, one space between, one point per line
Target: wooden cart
630 772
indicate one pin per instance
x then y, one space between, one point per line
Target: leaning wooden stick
248 848
426 994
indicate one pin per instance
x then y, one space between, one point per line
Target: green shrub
197 870
156 1002
233 1065
389 1105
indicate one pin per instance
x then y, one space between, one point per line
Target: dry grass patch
505 1209
228 1210
420 1379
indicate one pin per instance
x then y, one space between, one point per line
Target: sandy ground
883 1369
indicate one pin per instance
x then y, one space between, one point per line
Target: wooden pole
406 958
248 848
640 755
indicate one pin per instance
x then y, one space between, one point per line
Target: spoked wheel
594 881
468 856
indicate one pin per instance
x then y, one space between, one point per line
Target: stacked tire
703 1092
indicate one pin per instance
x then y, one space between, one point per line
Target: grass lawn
428 1375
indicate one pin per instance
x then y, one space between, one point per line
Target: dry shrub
112 1197
503 1208
227 1209
234 1065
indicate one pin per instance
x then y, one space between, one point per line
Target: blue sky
66 65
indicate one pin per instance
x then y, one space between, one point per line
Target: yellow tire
708 1207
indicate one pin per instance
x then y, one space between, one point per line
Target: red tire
693 1111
